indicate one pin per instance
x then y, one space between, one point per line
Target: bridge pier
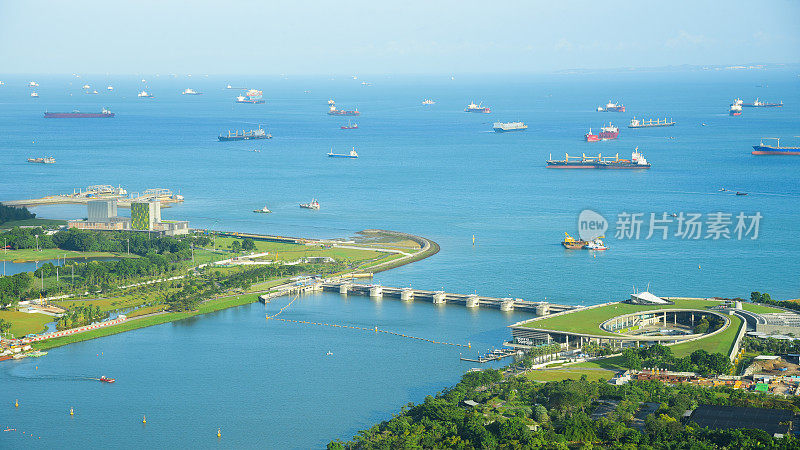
439 297
507 305
472 301
344 287
376 291
407 294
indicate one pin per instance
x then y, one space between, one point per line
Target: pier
101 192
441 297
496 355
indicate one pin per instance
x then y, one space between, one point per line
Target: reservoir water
434 171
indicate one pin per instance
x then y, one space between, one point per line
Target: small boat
331 102
330 353
45 160
741 193
189 91
105 379
349 126
428 101
313 204
145 94
262 210
35 94
110 88
596 244
33 84
573 244
352 154
86 86
722 189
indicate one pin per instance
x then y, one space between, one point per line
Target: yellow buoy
698 266
473 239
71 412
144 419
16 403
219 432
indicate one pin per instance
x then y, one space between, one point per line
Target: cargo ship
313 204
641 123
611 107
637 161
759 104
572 243
77 114
590 137
502 127
766 149
145 94
735 110
251 96
189 91
352 154
473 108
263 210
608 132
45 160
342 112
245 135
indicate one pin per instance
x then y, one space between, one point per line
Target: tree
236 247
632 359
755 297
248 244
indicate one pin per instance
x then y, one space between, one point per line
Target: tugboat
611 107
609 132
766 149
105 379
35 94
189 91
263 210
145 94
352 154
736 110
428 101
349 126
314 204
479 108
596 244
589 137
573 244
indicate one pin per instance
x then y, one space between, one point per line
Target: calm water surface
433 171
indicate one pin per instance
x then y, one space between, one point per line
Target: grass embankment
132 324
45 223
29 254
23 323
282 251
760 309
588 321
569 373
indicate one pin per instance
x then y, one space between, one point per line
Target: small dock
495 355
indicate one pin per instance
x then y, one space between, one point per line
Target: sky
410 36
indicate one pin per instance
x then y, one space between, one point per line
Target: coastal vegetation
486 410
9 213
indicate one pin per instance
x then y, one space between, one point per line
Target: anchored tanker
637 161
501 127
78 114
640 123
766 149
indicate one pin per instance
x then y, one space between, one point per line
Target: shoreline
428 248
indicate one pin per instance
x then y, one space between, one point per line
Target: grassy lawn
612 363
24 255
760 309
719 343
32 223
570 373
23 323
207 307
146 310
289 252
588 321
114 303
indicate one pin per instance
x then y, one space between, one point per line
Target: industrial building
145 216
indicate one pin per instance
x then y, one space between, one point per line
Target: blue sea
434 171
